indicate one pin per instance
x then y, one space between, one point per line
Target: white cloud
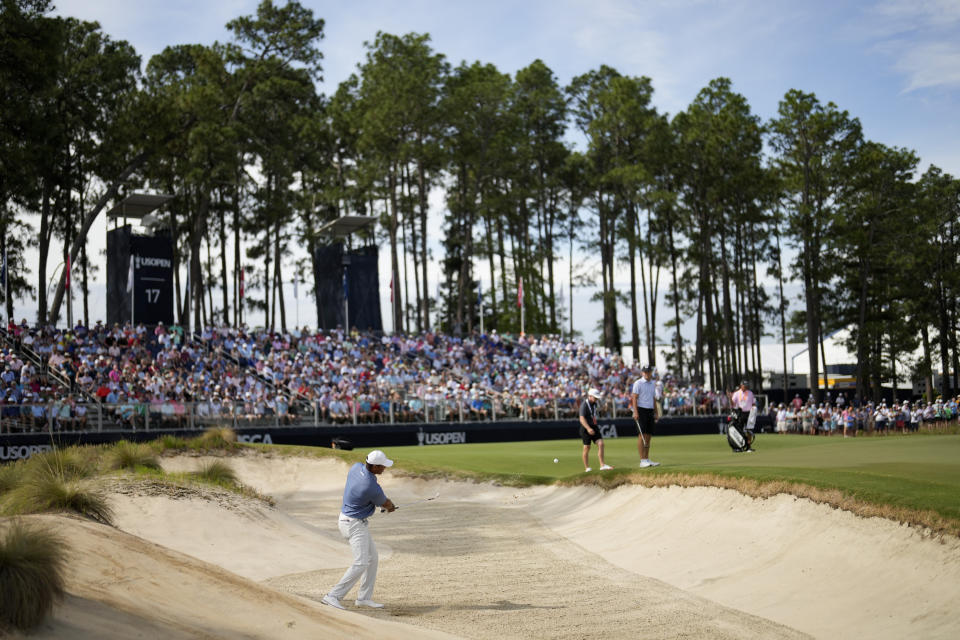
932 64
920 36
919 14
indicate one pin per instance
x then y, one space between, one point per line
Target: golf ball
556 460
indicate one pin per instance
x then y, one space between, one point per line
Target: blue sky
894 64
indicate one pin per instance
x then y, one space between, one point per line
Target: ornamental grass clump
217 472
130 455
10 476
51 493
216 438
32 562
168 442
72 463
58 480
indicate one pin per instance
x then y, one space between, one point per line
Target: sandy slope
493 562
808 566
122 586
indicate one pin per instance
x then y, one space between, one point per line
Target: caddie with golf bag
740 434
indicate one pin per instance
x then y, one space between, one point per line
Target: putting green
913 471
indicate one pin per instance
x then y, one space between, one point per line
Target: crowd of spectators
135 375
430 376
138 377
840 417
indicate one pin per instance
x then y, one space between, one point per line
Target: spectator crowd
137 377
839 417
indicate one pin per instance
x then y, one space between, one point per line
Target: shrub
217 472
130 455
31 574
51 492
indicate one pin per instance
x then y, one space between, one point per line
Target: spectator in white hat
590 429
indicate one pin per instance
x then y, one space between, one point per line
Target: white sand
493 562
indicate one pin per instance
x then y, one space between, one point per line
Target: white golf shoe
369 603
588 469
332 601
648 463
605 467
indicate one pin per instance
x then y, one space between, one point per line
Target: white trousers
365 559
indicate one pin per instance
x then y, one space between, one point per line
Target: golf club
642 438
433 497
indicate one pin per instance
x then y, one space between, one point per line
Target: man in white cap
590 429
643 397
361 497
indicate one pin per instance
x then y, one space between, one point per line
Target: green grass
916 473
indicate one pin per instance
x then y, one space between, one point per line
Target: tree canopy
710 211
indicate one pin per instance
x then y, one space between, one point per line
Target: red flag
68 271
520 292
391 288
241 283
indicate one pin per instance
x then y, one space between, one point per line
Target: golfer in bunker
361 496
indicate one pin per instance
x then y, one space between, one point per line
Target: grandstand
133 377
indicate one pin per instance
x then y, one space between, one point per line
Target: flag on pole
130 276
479 294
346 289
241 283
391 288
296 276
520 292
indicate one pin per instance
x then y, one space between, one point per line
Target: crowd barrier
60 416
14 446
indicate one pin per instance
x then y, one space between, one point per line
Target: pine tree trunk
634 321
394 256
237 262
424 209
196 273
85 284
278 276
44 250
224 284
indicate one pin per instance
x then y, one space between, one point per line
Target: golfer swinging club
642 398
361 496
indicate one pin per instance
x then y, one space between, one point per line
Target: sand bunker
495 562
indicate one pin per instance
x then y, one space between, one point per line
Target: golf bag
740 430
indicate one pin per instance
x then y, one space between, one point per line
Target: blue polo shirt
362 493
